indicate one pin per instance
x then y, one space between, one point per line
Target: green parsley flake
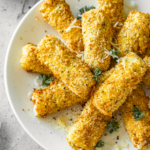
97 73
100 144
112 126
46 80
83 10
138 114
115 52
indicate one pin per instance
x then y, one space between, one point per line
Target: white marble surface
12 135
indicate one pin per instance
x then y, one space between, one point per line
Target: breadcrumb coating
30 62
58 14
146 78
87 129
97 38
114 91
115 10
65 65
135 34
139 131
89 126
54 98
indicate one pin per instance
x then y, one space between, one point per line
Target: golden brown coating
135 34
87 129
146 78
114 91
97 35
58 14
90 125
54 98
65 65
139 131
115 10
30 62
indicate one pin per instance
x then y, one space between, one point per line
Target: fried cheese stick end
30 62
135 34
139 131
56 97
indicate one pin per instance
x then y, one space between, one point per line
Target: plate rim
6 79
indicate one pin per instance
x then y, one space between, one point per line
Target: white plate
18 82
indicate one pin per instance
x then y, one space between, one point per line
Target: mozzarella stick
89 126
87 129
115 10
54 98
58 14
139 130
135 34
30 62
65 65
97 36
114 91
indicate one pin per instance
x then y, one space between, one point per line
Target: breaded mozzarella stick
65 65
135 34
58 14
114 91
139 130
89 126
97 36
54 98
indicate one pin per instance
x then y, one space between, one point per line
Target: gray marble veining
12 135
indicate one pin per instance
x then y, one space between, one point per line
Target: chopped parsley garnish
97 73
100 144
83 10
115 52
138 114
46 80
112 126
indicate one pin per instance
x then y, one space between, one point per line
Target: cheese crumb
34 110
37 18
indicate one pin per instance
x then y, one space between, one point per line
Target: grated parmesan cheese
110 53
124 65
57 8
71 26
116 24
81 55
34 110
